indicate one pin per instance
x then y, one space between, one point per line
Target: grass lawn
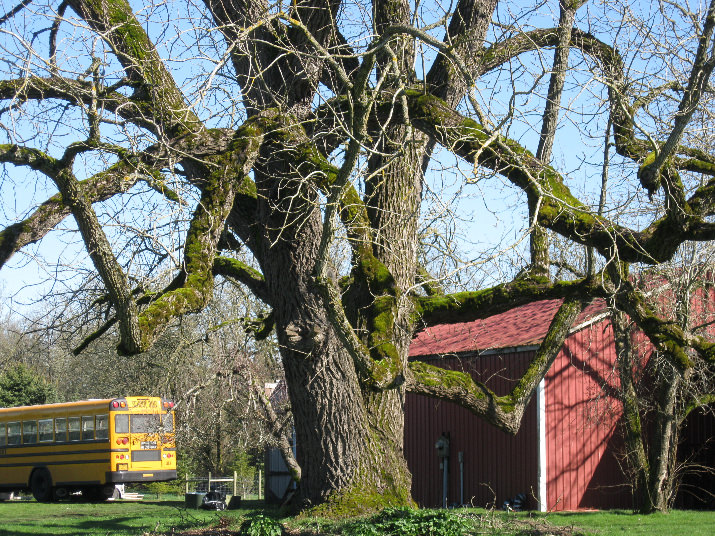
605 523
115 518
618 522
160 517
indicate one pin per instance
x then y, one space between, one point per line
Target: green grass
117 518
134 518
619 522
605 523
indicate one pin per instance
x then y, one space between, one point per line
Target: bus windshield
151 423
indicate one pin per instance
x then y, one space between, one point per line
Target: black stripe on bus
69 462
45 444
11 486
57 453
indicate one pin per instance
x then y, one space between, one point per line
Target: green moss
356 502
236 269
467 305
369 494
200 249
353 212
375 273
698 165
438 377
648 160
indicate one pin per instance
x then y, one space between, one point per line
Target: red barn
568 451
565 455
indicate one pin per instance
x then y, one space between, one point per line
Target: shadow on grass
180 519
597 512
175 504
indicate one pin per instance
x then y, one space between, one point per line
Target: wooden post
260 481
235 483
186 477
208 485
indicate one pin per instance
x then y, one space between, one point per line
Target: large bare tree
275 135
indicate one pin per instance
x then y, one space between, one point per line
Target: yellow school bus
88 446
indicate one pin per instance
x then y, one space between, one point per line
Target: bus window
45 428
73 426
60 429
29 432
121 424
88 427
145 424
102 427
14 433
3 440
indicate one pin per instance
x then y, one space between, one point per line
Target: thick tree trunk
651 453
664 445
349 442
349 439
636 457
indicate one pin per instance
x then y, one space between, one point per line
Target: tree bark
349 438
636 457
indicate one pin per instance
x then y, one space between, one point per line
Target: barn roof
525 325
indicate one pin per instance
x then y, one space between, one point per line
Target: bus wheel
109 491
41 485
97 493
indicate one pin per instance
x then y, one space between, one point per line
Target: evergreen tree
22 386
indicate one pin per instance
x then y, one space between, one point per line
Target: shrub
409 522
261 525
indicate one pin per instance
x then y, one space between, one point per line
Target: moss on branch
467 306
666 336
461 389
242 273
114 20
379 366
368 270
429 284
225 175
261 327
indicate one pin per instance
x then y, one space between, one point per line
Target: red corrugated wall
582 449
697 448
583 444
497 465
697 452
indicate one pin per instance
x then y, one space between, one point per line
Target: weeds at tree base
261 525
415 522
410 523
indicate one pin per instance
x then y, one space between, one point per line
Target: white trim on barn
541 472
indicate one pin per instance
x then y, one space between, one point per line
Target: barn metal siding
581 421
697 448
583 437
696 453
497 466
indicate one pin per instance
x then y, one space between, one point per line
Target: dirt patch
533 527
